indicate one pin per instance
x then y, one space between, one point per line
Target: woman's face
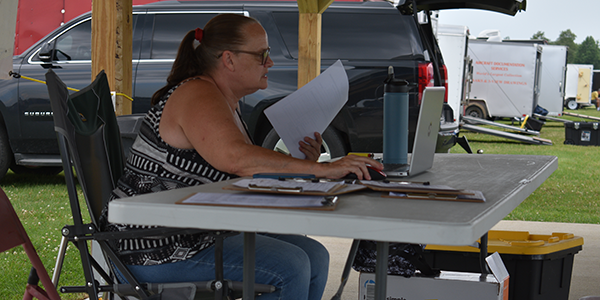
253 59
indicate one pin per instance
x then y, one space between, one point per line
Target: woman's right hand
351 164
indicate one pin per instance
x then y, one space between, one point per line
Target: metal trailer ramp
492 123
546 118
580 116
508 135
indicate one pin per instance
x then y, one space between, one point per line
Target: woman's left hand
311 147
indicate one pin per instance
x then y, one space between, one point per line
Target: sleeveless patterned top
152 166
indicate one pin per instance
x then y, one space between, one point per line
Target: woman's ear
227 60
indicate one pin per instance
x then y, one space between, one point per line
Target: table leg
383 249
483 253
249 265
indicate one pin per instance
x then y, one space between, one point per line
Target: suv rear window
353 35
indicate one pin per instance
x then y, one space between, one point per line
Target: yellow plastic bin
540 266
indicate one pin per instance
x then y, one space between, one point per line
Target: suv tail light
444 72
425 78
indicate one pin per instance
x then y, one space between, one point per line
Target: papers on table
420 190
409 186
262 200
321 194
311 108
294 186
469 196
289 185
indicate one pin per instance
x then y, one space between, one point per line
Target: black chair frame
96 155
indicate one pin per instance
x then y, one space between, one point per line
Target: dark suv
367 36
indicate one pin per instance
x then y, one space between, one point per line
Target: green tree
567 38
540 35
588 53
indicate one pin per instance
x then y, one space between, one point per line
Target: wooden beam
313 6
309 39
111 47
309 47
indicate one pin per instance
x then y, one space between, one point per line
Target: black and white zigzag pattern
154 166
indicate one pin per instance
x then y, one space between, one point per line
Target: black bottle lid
393 84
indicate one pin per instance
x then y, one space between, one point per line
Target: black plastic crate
534 124
540 266
582 133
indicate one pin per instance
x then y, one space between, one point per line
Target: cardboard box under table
447 285
540 266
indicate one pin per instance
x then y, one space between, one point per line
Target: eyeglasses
263 56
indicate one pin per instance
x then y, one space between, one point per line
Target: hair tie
199 34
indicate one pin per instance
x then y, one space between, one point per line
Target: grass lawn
41 202
569 195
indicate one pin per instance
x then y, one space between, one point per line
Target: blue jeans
296 265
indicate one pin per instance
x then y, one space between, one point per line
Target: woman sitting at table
194 134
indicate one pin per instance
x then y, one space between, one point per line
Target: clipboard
413 187
294 187
468 196
255 200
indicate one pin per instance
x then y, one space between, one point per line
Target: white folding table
505 180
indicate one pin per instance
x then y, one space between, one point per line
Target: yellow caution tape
68 88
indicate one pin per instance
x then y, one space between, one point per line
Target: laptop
426 134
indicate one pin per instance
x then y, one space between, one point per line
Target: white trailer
453 41
552 85
506 79
578 90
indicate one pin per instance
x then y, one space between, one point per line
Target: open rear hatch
509 7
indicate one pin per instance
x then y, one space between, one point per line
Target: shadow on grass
17 180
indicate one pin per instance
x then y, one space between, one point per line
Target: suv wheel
6 156
333 145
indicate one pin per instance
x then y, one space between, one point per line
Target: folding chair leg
220 285
347 267
60 258
35 277
35 292
91 284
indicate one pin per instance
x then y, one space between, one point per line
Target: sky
550 16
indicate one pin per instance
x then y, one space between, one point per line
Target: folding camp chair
12 234
89 140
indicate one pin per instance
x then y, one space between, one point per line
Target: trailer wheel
476 110
572 104
569 142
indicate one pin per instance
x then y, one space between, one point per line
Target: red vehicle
37 18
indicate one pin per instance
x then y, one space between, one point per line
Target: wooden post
309 39
309 47
111 47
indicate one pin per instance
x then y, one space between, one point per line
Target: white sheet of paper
306 186
257 200
311 108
